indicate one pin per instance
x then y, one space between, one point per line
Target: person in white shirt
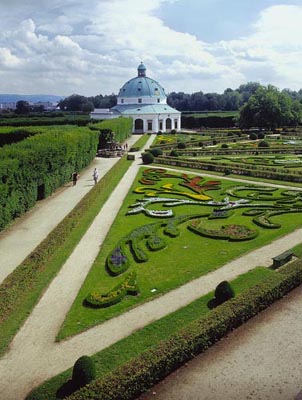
95 176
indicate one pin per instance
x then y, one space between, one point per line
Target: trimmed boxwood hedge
135 377
122 127
34 168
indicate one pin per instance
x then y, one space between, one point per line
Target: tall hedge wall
9 135
35 167
122 127
29 120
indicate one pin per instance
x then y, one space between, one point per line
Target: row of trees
199 101
76 102
229 100
259 106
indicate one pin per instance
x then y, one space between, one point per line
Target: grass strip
140 143
21 290
109 359
297 250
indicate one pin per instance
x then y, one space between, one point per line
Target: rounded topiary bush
181 145
147 158
174 153
83 371
173 131
253 136
261 135
156 152
224 146
263 144
223 292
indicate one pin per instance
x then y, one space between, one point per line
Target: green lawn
248 179
293 163
185 257
141 141
123 351
206 114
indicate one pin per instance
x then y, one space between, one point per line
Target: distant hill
31 98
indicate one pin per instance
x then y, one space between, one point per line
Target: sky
64 47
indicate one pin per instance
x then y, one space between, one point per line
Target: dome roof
142 86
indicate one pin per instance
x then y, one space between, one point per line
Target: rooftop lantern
141 70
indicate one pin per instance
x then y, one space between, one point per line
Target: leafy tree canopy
269 108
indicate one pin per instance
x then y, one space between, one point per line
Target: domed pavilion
145 100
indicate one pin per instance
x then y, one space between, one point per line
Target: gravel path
28 231
260 360
34 356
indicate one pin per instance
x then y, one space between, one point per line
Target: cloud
273 52
69 46
7 59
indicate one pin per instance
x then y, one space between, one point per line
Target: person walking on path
75 176
95 176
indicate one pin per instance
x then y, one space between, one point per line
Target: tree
76 102
247 90
22 107
268 108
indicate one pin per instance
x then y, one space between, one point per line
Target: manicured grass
21 290
121 352
297 250
213 114
141 141
286 162
186 257
248 179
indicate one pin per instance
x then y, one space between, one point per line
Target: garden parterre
176 255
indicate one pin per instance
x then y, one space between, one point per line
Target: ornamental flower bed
128 286
229 232
155 243
117 262
217 214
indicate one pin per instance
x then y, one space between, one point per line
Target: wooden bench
282 259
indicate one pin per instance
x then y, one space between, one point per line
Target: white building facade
145 101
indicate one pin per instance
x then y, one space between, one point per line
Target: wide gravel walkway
260 360
34 356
